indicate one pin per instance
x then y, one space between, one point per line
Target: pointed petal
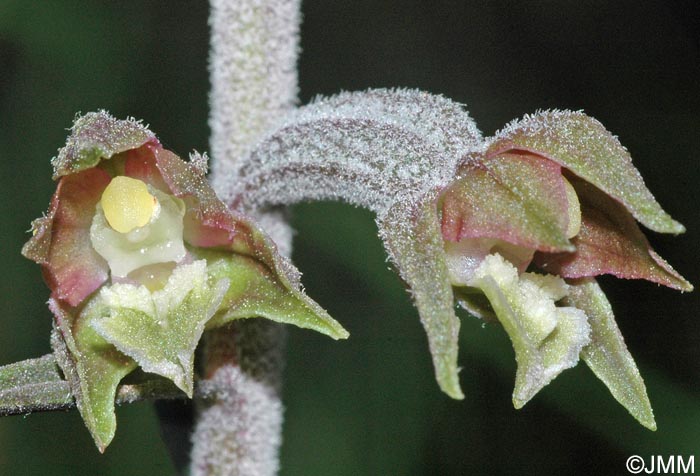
255 292
208 222
140 322
607 354
92 366
61 243
96 136
520 199
610 242
547 339
582 145
412 238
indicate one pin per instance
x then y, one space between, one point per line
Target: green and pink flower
141 258
533 215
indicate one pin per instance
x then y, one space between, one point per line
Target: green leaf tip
255 292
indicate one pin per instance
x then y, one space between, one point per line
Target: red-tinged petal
72 269
518 198
582 145
610 242
210 224
141 164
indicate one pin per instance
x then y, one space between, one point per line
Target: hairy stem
37 385
254 48
239 426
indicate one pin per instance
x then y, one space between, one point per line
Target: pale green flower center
547 338
136 225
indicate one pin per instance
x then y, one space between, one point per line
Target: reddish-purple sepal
610 242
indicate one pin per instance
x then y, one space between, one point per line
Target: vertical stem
254 48
238 431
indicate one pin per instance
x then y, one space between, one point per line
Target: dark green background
369 406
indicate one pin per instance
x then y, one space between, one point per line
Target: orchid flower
558 192
141 258
514 227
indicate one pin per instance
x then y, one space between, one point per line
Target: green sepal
546 339
607 354
254 291
583 145
160 330
92 366
414 242
96 136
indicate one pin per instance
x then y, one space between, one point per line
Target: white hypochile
547 338
136 225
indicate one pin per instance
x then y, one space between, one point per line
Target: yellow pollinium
127 204
574 211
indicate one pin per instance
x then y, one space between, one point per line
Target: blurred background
370 405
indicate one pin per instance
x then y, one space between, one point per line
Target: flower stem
254 48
